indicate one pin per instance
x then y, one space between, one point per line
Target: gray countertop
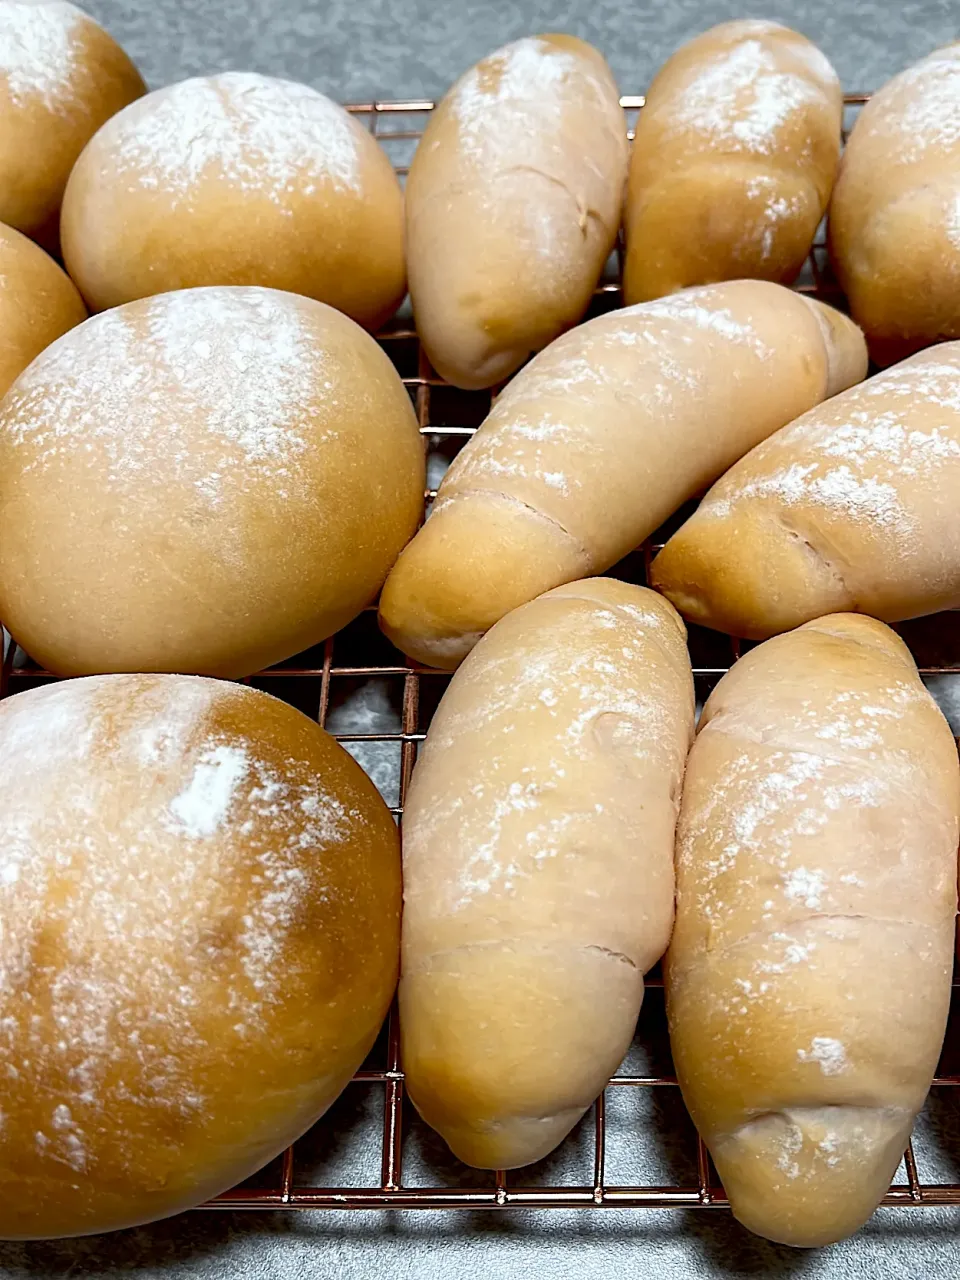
355 50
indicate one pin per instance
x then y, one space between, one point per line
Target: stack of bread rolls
200 891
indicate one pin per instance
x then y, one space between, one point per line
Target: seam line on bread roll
584 212
508 498
809 1109
770 738
820 556
715 953
621 613
518 943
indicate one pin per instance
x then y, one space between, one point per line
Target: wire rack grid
315 682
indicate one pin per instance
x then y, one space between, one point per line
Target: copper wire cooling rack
315 682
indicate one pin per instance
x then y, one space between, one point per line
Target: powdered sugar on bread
243 363
160 852
743 97
246 131
38 51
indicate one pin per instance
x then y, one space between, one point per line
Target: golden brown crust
237 179
808 977
735 155
210 480
599 440
899 185
849 507
538 871
201 903
513 205
70 76
38 303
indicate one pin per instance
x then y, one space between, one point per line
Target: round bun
61 77
237 179
37 304
206 481
200 893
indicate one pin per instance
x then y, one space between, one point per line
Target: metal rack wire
447 418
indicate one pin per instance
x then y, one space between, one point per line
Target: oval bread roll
600 439
538 865
853 506
206 481
237 179
899 185
61 77
735 155
38 303
200 894
513 205
808 978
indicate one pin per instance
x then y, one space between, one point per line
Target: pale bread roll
599 440
538 865
808 978
237 179
38 303
513 205
61 77
894 226
200 893
207 481
853 506
735 156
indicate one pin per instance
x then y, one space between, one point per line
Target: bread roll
808 978
853 506
735 155
206 481
894 227
61 77
538 865
600 439
37 303
200 893
237 179
513 204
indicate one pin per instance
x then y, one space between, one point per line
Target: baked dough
200 894
38 303
513 205
808 978
894 226
237 179
206 481
538 865
599 440
61 77
853 506
736 151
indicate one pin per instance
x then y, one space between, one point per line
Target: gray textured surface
353 50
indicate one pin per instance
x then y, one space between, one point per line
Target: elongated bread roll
513 204
600 439
808 978
538 865
894 226
735 155
853 506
